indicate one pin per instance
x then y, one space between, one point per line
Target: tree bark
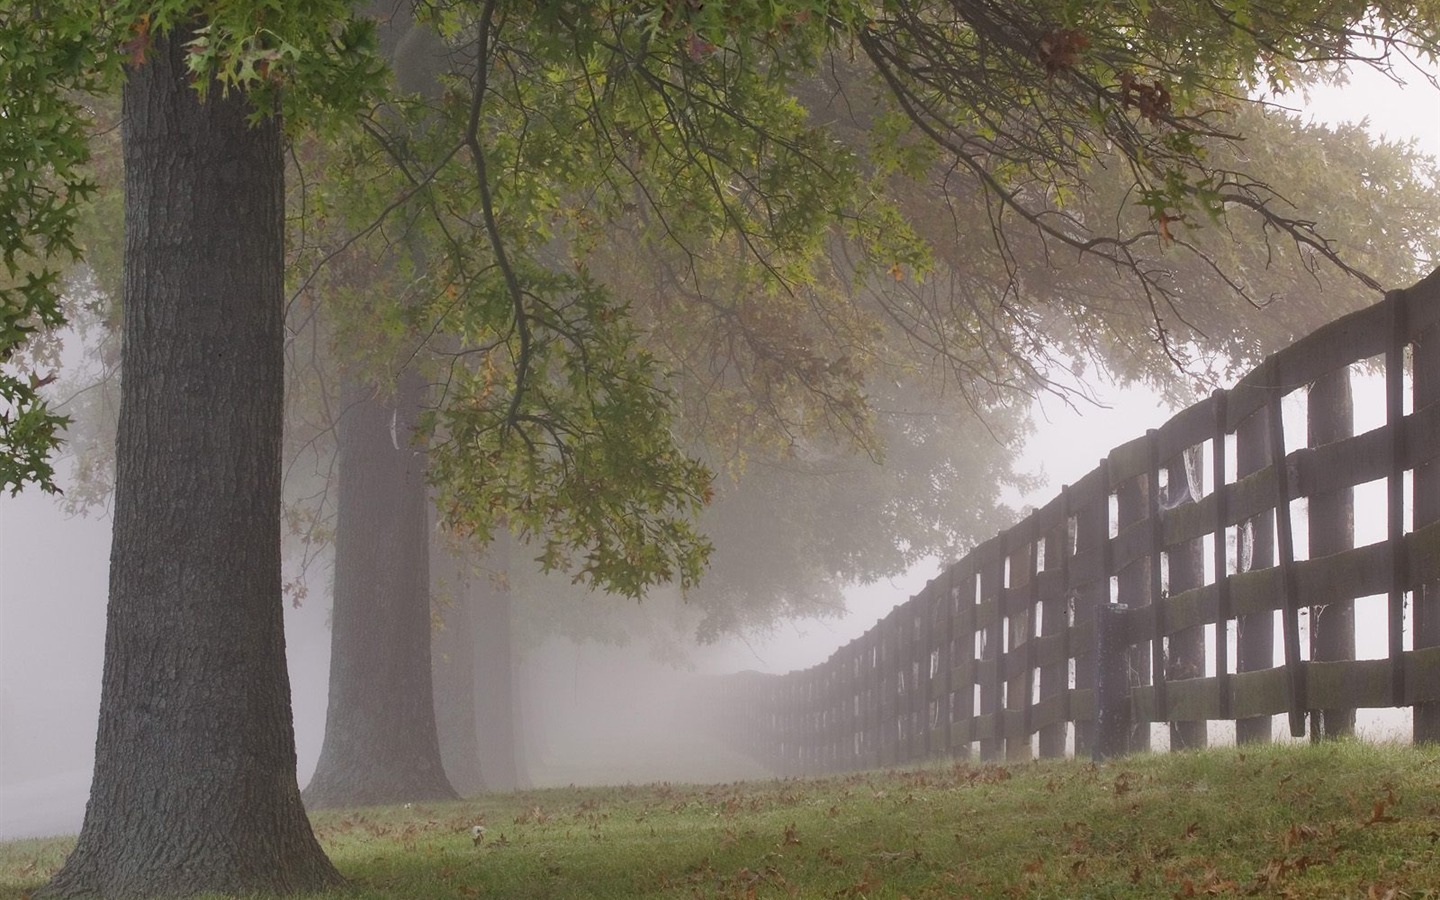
380 742
194 787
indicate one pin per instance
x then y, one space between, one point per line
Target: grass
1341 820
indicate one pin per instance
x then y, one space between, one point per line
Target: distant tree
380 741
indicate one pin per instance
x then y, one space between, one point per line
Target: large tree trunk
194 786
380 742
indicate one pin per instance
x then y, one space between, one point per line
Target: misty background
590 713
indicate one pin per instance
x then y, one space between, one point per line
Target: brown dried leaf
138 46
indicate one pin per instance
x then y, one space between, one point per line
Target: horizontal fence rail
1150 591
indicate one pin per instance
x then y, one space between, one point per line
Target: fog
591 714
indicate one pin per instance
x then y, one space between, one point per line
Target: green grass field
1337 820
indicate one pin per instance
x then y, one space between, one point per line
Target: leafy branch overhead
43 150
50 62
626 233
762 246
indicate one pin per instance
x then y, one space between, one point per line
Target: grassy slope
1340 820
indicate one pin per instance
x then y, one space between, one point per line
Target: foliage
1235 290
1328 821
660 151
792 531
668 198
50 63
43 151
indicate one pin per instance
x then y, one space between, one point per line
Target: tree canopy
729 227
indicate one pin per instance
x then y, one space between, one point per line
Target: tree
194 785
476 671
380 740
381 744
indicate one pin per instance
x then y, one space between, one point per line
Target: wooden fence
1150 590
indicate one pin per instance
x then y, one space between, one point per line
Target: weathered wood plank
1131 545
1129 460
1050 712
1190 427
1423 545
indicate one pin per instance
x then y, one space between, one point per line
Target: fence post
1220 548
933 628
1133 587
1112 685
1155 592
1296 668
963 587
1395 491
806 714
992 581
1255 549
910 635
1186 564
787 724
888 690
1426 498
946 719
1092 535
846 687
830 736
1054 617
894 689
1331 417
1031 682
1017 607
875 657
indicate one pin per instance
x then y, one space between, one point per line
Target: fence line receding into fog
1151 590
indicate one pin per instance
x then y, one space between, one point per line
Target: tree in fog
380 743
551 418
194 784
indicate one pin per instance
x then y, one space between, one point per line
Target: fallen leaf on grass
1378 815
1299 834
